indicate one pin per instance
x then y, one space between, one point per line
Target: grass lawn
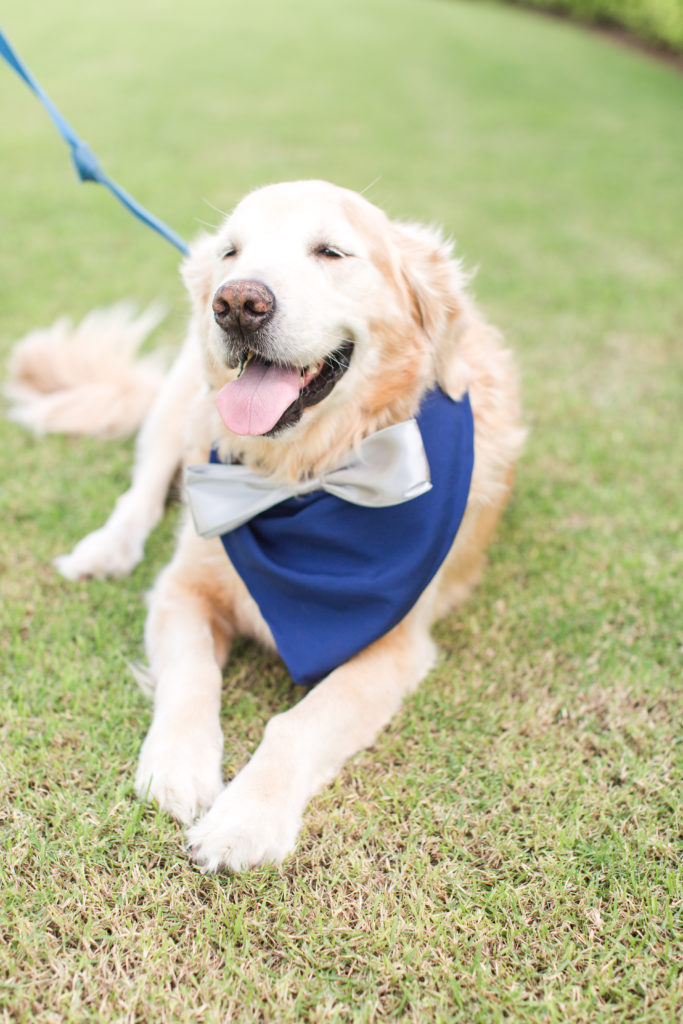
511 848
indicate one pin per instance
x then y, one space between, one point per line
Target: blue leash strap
86 163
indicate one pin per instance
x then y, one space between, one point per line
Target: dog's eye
230 251
328 252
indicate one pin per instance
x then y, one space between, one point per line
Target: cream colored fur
401 298
84 379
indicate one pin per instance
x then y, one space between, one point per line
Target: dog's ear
197 270
434 283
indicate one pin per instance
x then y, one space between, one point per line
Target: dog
318 326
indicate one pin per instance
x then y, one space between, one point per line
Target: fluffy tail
86 379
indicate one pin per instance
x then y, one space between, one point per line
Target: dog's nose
245 304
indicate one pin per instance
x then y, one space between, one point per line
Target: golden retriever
316 323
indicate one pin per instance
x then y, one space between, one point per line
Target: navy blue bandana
330 577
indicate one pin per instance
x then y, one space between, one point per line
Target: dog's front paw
180 771
245 827
102 553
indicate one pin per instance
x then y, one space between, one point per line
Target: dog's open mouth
267 397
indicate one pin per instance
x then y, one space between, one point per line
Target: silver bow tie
389 468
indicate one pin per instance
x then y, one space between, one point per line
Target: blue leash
86 163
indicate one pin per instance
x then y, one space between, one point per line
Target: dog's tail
85 379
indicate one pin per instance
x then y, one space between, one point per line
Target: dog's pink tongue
254 402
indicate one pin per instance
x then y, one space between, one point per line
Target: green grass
658 22
510 850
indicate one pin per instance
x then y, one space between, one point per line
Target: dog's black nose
244 304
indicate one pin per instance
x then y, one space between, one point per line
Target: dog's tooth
245 362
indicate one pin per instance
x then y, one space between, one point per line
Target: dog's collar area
390 467
372 563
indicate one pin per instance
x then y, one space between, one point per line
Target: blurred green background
658 22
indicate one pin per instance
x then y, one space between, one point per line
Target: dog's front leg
117 547
180 760
257 817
